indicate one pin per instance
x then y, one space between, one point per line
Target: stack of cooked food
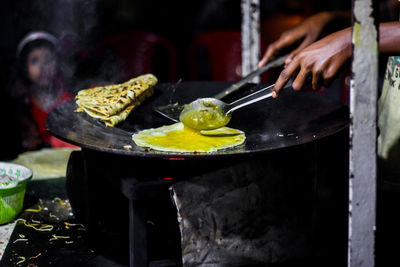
113 103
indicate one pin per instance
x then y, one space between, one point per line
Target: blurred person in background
39 88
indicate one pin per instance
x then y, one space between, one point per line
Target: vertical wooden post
363 106
250 36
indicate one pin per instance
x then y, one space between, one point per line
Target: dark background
90 22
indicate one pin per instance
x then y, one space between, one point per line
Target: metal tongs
172 111
211 113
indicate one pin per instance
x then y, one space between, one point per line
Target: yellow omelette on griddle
179 138
113 103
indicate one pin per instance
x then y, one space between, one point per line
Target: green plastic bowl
12 192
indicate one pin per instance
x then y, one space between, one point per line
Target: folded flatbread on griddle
113 103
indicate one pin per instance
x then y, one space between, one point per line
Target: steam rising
75 23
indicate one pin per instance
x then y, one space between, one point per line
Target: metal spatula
172 111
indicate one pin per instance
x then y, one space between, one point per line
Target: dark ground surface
49 248
66 245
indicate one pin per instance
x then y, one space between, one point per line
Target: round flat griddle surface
294 118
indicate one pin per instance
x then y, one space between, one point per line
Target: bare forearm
389 38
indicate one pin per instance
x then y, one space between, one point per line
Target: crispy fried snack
113 103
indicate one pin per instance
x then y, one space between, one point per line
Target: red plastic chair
223 50
136 54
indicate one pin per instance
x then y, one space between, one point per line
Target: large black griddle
294 118
143 176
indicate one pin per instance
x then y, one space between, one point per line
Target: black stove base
135 213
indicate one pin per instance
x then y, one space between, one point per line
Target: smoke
86 17
80 23
77 24
65 17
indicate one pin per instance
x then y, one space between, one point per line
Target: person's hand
308 31
321 60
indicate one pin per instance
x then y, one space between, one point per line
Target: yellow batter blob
204 115
178 138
